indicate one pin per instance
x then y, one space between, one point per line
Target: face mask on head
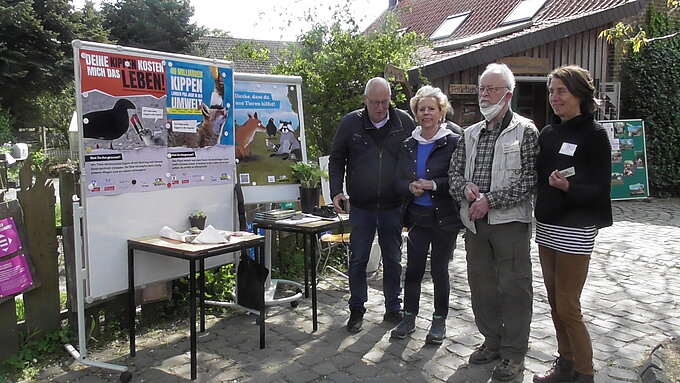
491 111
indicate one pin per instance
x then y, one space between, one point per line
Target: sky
272 19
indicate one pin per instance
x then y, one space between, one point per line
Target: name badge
568 172
568 149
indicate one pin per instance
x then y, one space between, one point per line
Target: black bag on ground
250 277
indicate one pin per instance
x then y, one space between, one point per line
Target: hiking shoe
393 317
356 319
437 331
560 372
405 327
507 370
580 378
483 355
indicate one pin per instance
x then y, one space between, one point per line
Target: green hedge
651 91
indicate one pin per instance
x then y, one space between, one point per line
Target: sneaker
405 327
437 331
356 319
580 378
484 355
560 372
507 370
393 317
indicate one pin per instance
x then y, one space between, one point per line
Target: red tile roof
219 47
559 16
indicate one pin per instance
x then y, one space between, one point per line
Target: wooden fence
60 156
36 216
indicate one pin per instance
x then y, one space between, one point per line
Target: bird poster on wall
151 123
267 133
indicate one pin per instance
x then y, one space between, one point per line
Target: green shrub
6 122
651 81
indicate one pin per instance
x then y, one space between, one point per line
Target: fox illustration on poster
269 135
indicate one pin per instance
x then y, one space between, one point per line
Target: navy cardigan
446 208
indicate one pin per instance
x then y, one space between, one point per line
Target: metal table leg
192 315
201 284
259 255
312 248
131 298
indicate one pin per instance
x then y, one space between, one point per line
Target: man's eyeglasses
490 89
376 103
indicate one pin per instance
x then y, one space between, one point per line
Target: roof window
401 31
450 25
525 10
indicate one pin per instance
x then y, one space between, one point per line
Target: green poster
629 159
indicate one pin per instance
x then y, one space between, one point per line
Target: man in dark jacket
365 151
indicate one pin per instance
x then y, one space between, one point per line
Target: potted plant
197 219
309 174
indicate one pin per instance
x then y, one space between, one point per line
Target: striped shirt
570 240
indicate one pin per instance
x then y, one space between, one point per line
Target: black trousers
443 243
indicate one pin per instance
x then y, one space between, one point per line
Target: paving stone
630 305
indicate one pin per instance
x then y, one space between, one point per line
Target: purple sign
9 238
15 276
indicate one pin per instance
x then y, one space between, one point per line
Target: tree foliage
162 25
36 56
56 111
35 52
335 62
248 50
636 38
652 79
89 24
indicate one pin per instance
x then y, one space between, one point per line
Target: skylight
525 10
450 25
401 31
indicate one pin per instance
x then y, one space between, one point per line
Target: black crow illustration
271 128
108 124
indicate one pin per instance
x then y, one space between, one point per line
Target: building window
525 10
450 25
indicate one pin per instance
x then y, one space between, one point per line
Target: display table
192 253
309 230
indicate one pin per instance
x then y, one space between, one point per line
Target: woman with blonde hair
431 213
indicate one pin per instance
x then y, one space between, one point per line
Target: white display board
172 153
275 103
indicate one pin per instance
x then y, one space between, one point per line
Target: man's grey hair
504 71
375 81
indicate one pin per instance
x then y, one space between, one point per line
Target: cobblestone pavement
631 303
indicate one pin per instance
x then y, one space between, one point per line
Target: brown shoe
508 370
484 355
560 372
580 378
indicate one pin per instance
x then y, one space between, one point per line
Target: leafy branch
637 39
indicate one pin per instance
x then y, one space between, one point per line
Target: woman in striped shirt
572 203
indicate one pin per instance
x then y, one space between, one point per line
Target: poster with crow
150 122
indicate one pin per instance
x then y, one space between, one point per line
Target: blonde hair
428 91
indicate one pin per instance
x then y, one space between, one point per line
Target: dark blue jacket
369 169
446 208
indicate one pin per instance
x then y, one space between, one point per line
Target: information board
156 142
629 159
269 134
